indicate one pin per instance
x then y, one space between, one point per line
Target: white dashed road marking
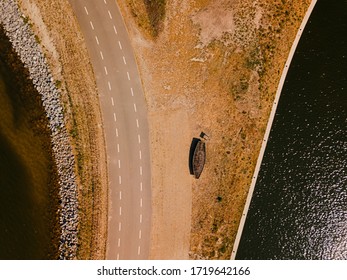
115 119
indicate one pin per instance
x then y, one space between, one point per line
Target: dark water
299 207
27 184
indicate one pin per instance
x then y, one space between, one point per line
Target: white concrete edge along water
268 128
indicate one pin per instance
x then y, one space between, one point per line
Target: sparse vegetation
37 39
149 15
231 82
58 84
156 14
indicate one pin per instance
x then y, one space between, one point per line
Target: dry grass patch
221 62
149 15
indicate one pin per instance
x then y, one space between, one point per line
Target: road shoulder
171 185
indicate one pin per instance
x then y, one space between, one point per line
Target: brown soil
57 30
218 63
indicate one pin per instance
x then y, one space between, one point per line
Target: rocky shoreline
28 49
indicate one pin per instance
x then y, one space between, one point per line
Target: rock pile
28 49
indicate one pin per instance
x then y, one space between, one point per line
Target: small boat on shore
199 158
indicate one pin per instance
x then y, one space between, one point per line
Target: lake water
299 206
27 185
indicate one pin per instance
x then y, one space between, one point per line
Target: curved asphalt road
125 125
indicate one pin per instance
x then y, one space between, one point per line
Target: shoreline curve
28 49
268 128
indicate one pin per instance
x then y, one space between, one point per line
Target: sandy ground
57 30
171 185
214 67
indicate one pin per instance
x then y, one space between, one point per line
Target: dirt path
171 185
